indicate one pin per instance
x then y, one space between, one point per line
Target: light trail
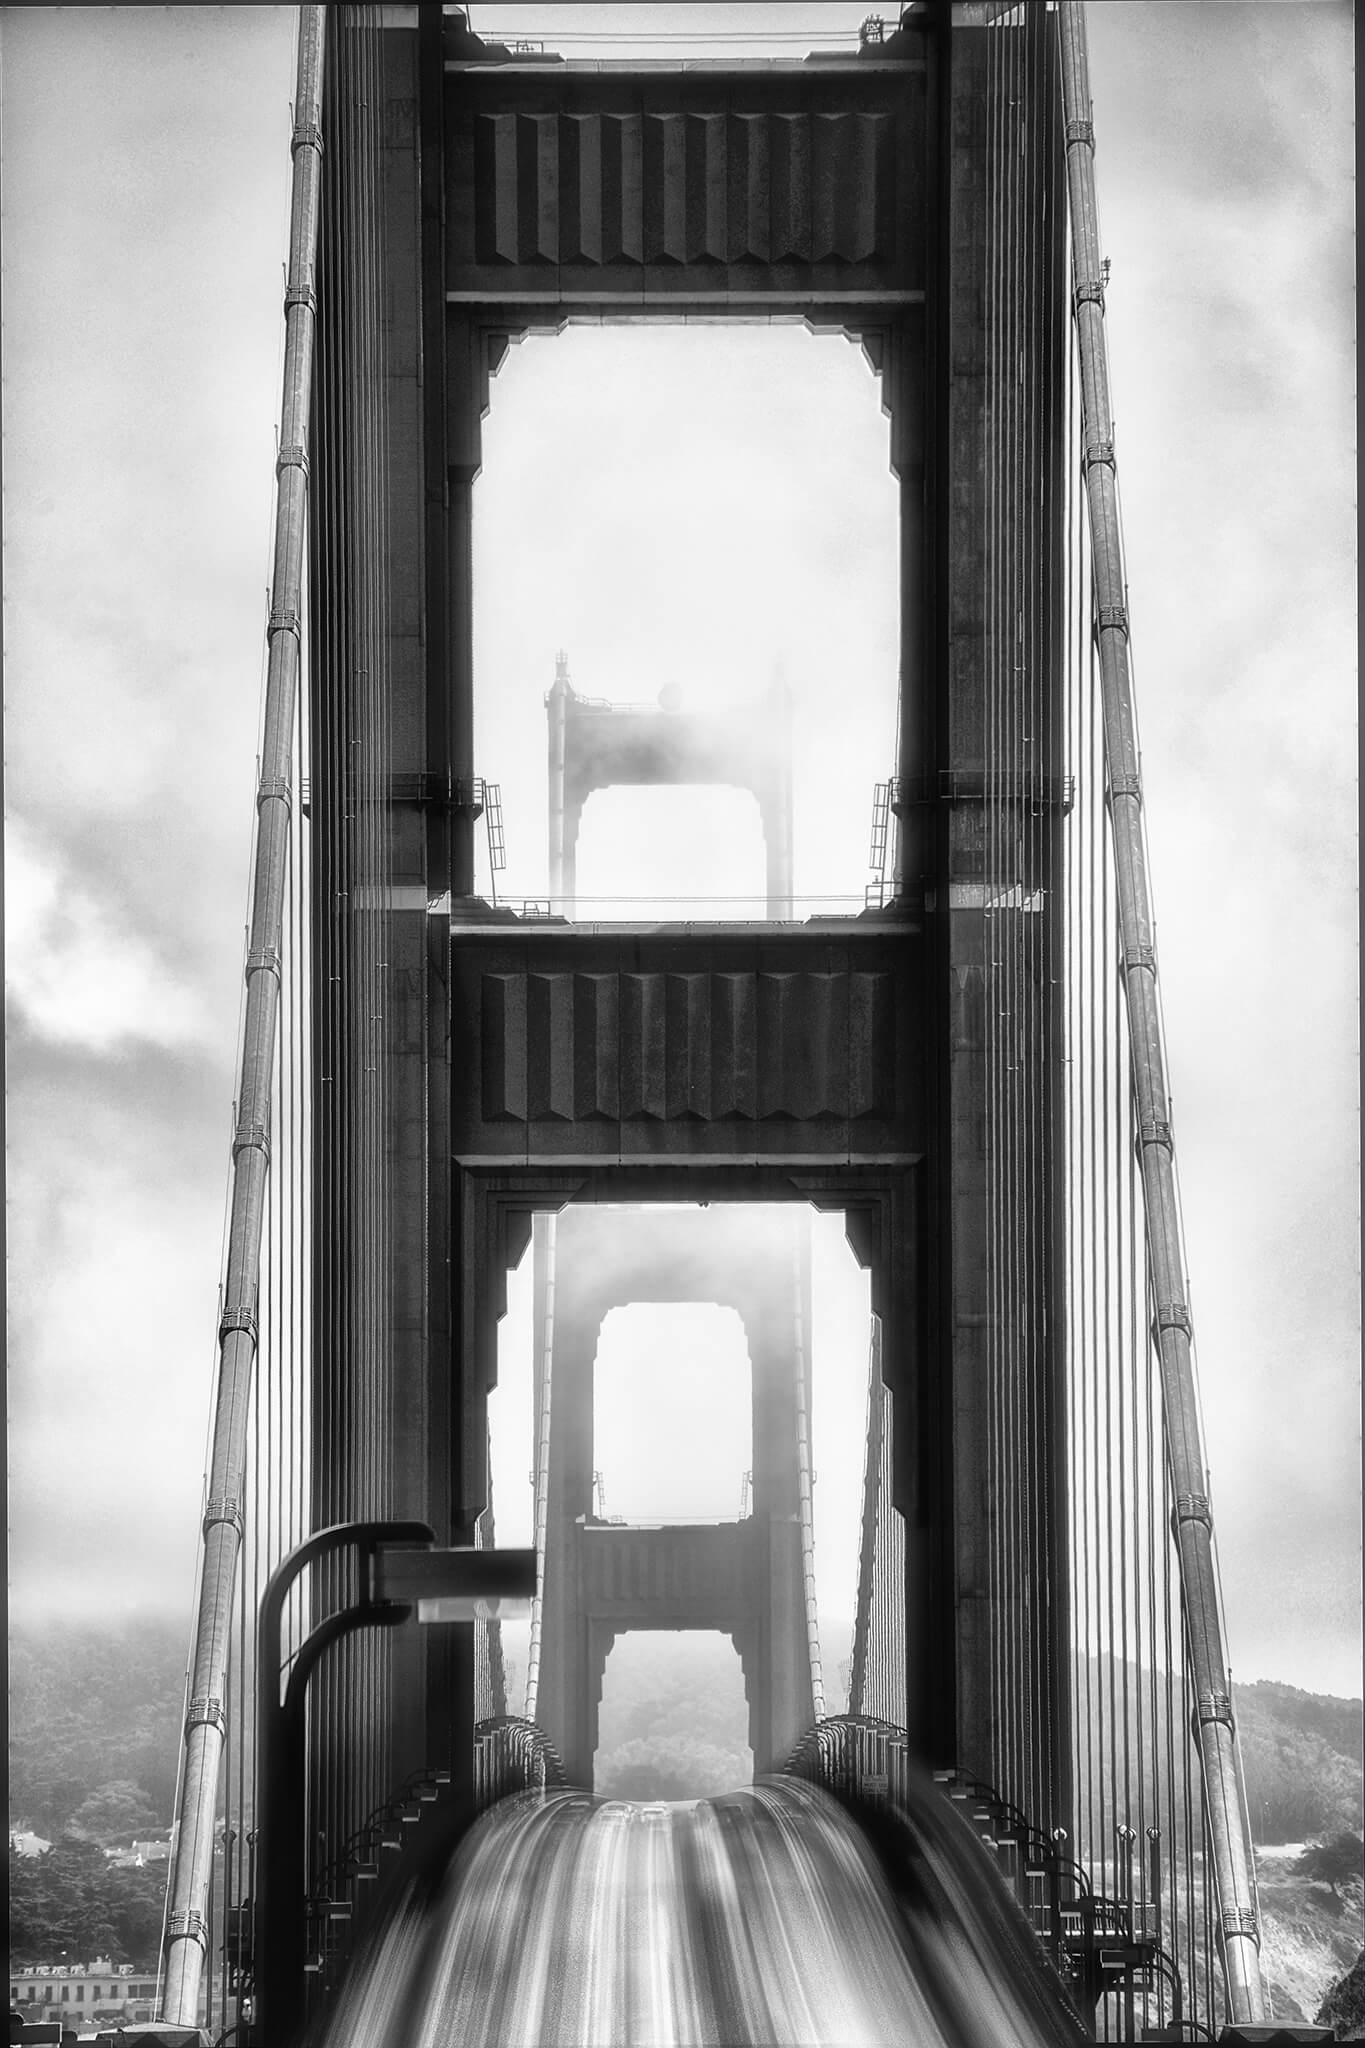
564 1921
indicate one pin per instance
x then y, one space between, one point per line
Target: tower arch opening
672 1413
671 1376
673 1722
674 545
694 853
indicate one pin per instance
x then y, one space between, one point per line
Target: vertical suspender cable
1016 1085
992 551
546 1249
867 1547
187 1930
1029 342
1227 1819
800 1278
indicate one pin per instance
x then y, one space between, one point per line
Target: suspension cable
1226 1815
187 1932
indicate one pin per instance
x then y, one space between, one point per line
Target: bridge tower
597 745
471 1069
745 1578
837 1060
750 1579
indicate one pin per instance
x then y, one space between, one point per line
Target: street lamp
399 1571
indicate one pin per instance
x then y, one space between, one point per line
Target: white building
82 1994
26 1843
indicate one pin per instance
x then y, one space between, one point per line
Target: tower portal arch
596 744
746 1577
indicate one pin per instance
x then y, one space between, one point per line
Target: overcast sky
146 187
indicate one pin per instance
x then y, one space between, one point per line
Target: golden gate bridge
970 1070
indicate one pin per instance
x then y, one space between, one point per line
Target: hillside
90 1709
1304 1755
1344 2007
95 1707
1310 1938
95 1719
673 1722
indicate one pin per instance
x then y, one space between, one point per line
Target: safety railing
1104 1949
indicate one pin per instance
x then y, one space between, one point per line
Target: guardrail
1099 1947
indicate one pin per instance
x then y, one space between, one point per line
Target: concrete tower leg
778 1676
566 1683
746 1578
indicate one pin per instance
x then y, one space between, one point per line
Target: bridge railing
414 1826
513 1755
1107 1951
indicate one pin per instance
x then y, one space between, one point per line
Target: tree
74 1903
1343 2009
670 1767
115 1812
56 1906
1338 1861
123 1717
135 1900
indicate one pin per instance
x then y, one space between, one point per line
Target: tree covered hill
96 1714
1304 1756
73 1904
674 1722
95 1720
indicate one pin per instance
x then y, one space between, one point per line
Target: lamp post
399 1571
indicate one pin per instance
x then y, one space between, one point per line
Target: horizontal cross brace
977 786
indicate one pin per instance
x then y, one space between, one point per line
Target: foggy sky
146 189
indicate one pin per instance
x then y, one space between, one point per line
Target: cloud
77 974
1222 143
115 1230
